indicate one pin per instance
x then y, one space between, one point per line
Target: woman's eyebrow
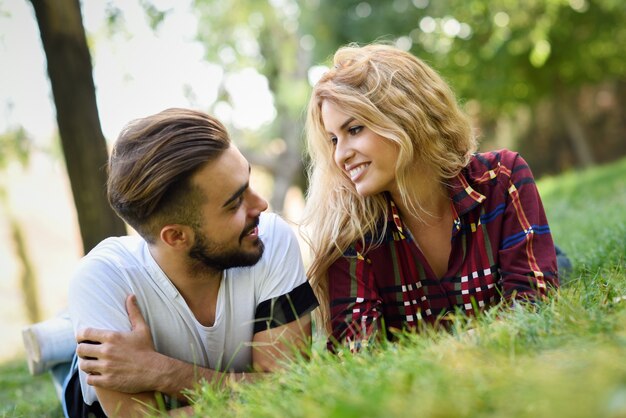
344 125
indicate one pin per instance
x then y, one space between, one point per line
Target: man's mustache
250 228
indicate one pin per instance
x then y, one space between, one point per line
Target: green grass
565 360
22 395
587 215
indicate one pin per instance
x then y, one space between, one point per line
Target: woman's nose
343 153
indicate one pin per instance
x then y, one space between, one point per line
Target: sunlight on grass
564 359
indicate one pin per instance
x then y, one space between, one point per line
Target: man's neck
199 287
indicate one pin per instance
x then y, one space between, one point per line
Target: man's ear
177 236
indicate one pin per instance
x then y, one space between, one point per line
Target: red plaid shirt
501 247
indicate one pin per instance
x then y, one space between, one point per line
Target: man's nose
258 204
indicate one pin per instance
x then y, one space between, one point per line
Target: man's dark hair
151 164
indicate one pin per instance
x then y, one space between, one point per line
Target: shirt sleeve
528 265
97 296
355 303
284 293
97 299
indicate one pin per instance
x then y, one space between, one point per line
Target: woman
405 220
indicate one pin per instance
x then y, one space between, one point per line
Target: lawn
564 360
22 395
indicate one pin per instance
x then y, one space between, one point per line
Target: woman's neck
427 202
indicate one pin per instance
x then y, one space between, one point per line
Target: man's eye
237 203
355 130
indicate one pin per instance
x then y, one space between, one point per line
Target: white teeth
355 171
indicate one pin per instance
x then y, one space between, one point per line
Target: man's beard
210 255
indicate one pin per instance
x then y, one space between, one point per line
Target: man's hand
120 361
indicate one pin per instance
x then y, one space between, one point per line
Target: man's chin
250 255
257 252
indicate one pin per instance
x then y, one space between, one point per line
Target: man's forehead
235 159
224 176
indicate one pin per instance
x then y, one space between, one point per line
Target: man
210 288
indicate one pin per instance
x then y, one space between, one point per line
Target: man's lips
251 230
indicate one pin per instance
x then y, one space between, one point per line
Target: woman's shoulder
499 164
491 160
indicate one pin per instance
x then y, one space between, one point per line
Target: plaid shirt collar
464 199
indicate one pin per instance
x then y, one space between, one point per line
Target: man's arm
100 357
127 362
123 365
121 405
283 343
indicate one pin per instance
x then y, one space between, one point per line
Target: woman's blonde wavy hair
400 98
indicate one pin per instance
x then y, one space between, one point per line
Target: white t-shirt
120 266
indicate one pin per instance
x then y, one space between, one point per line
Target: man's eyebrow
238 193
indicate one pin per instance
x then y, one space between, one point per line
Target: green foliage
240 34
155 16
22 395
14 145
499 52
562 359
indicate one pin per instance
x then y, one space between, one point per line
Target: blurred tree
499 53
15 147
260 38
265 36
84 146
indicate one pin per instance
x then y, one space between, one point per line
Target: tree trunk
284 169
289 167
28 279
84 146
574 128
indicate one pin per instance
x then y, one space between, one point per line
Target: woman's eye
333 140
355 130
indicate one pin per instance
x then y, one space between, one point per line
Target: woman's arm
527 256
356 307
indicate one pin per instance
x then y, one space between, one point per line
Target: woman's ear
177 236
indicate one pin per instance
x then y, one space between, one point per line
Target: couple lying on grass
406 222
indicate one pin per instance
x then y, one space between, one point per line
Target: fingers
89 366
92 335
96 379
93 379
134 314
86 350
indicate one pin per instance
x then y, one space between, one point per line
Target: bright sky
137 71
